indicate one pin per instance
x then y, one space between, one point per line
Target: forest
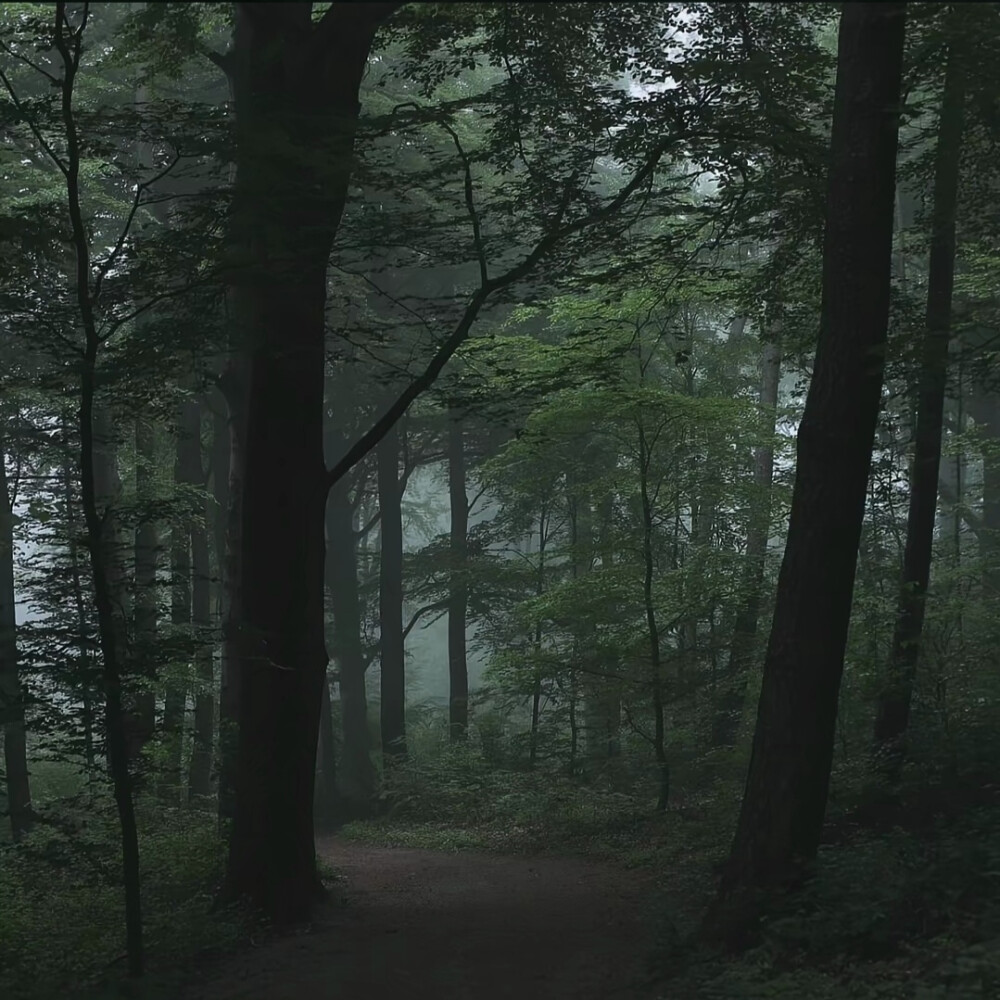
500 500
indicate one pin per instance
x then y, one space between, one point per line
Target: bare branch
470 204
441 605
109 261
35 131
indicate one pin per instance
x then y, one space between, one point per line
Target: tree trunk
233 385
652 630
98 488
536 706
458 594
220 457
893 712
141 720
392 651
987 414
788 780
328 812
175 700
356 774
295 85
84 668
15 751
536 690
200 771
731 693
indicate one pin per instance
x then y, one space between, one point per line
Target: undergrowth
61 923
905 902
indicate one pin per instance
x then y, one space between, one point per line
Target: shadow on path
426 924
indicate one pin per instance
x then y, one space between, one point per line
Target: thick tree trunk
141 720
788 780
893 712
391 647
356 774
15 751
458 593
295 86
731 692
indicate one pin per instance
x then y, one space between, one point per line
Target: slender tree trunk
233 385
788 780
295 85
85 668
200 775
175 700
987 414
536 691
392 651
98 478
731 693
141 719
356 774
893 712
220 455
15 749
653 632
200 771
328 812
536 706
458 594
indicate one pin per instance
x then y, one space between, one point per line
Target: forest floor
423 923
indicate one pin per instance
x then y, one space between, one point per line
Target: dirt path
425 924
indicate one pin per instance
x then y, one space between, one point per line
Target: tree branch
109 261
441 605
557 233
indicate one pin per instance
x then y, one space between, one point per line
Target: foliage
62 888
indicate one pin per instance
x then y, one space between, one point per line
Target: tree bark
458 594
295 85
98 488
356 774
652 630
893 712
788 780
233 385
175 699
391 646
141 720
536 690
200 773
986 412
731 694
328 812
15 749
84 668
